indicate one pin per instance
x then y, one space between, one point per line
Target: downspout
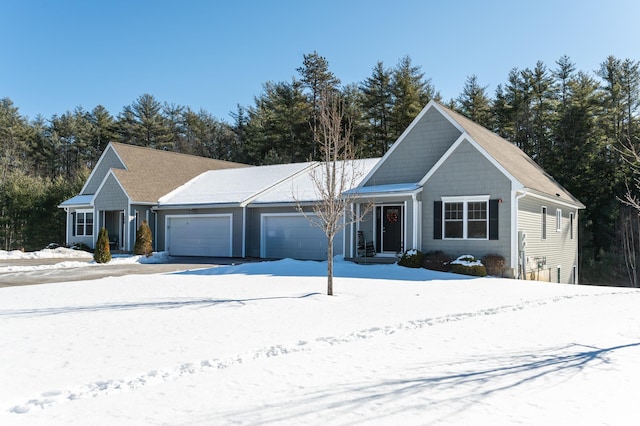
515 255
414 199
155 230
244 231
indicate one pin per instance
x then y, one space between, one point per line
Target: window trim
81 220
571 222
465 201
558 220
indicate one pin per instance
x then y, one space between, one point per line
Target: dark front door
391 229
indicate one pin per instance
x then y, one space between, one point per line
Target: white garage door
199 235
293 236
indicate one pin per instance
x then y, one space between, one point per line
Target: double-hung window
84 223
466 218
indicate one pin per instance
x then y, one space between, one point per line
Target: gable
110 195
466 171
416 151
108 160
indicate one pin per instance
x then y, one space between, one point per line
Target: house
122 189
447 184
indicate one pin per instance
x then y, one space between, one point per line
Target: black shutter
73 224
493 219
437 220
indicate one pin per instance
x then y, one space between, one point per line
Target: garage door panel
200 236
294 237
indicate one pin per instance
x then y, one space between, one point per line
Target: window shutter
73 224
493 219
437 220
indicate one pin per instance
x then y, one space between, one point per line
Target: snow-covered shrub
495 264
468 265
436 261
143 245
102 254
80 246
411 259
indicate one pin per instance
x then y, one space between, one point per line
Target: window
466 219
454 220
571 225
558 220
84 223
544 223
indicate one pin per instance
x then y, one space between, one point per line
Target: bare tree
629 228
338 172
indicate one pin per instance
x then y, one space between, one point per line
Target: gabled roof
512 159
152 173
274 184
231 186
301 188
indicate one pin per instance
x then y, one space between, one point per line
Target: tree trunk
330 265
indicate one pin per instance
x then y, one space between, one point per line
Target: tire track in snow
101 388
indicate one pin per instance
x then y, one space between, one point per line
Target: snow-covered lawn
261 344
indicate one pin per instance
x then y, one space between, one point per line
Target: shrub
411 259
436 261
143 244
102 253
495 264
468 265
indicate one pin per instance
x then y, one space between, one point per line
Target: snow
261 343
466 260
231 185
78 261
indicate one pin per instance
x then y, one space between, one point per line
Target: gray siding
467 173
418 152
111 196
236 244
108 161
558 248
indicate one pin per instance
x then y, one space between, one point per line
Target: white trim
397 142
558 220
95 168
552 200
244 231
515 206
104 181
465 200
212 215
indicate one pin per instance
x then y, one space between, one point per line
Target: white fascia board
109 147
515 183
550 199
162 207
110 173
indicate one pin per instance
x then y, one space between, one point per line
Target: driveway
28 276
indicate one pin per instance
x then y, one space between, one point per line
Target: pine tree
377 104
143 244
474 102
411 92
316 77
102 253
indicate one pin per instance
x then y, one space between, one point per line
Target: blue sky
57 55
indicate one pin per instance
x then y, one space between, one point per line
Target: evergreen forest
580 126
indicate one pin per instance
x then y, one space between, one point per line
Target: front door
390 221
